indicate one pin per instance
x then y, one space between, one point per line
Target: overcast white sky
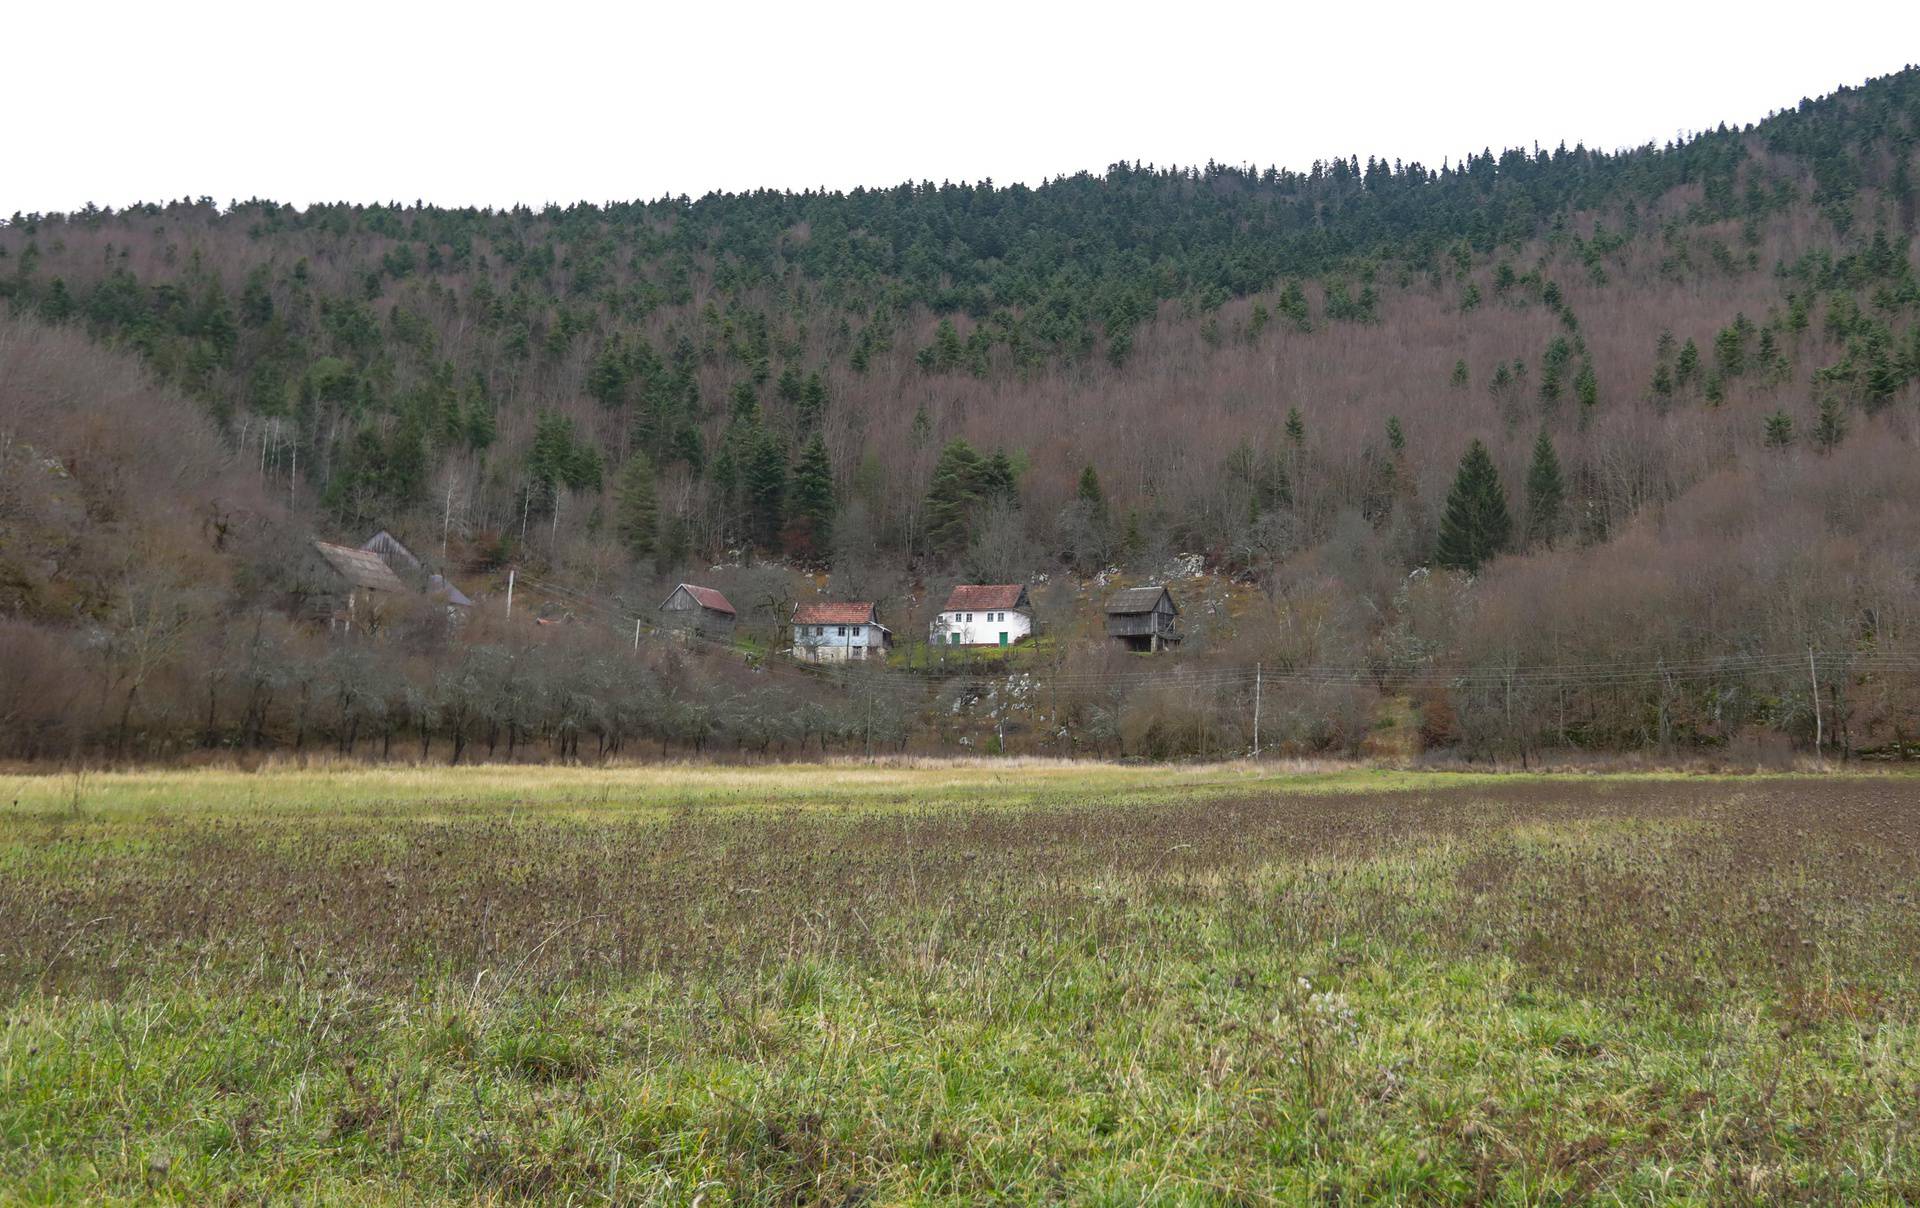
494 104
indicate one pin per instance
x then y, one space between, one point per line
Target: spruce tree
951 498
1779 430
1546 493
1830 428
1089 490
765 479
1459 379
637 520
1476 525
812 510
1396 436
1296 427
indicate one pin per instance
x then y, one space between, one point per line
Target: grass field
955 983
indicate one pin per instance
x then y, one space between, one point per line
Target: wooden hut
1143 618
700 610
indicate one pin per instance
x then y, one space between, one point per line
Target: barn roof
362 568
835 612
706 597
442 588
1137 600
388 547
973 597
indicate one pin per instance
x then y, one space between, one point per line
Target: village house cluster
381 573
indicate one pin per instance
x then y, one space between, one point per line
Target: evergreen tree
1686 367
811 529
638 519
1830 427
812 405
1779 430
607 377
951 498
997 479
1396 437
1586 390
1089 491
1296 427
1459 379
764 477
1475 526
1546 493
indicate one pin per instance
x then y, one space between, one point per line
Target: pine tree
1830 428
1476 525
996 480
951 498
638 519
607 378
1586 390
811 530
1546 493
1459 379
1296 427
1686 367
813 402
764 477
1779 430
1089 491
1396 436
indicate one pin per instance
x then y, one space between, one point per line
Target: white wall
979 628
830 643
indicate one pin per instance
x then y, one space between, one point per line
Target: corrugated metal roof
978 596
833 612
362 568
1137 599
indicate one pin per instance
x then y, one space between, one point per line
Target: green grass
954 983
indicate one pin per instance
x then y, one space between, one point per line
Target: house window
840 631
969 618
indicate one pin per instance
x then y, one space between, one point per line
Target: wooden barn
1143 618
366 583
700 610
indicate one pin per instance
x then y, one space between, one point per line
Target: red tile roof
974 597
707 597
833 612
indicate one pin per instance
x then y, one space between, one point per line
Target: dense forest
1541 448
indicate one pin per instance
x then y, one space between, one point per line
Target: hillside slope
1694 368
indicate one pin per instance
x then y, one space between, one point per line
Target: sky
491 104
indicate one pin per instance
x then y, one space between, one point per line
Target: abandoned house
1143 618
366 587
833 632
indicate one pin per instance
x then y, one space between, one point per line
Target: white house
833 632
983 615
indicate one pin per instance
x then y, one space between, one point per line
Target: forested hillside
1456 425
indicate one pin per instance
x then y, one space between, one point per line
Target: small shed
700 610
1143 618
833 631
367 582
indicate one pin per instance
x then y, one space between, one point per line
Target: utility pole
1814 676
511 571
1256 710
